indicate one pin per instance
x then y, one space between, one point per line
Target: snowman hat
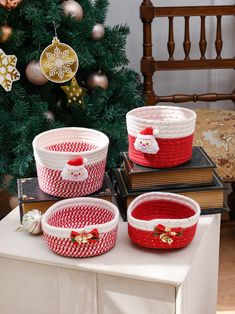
76 164
148 133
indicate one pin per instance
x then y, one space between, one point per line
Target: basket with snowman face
160 136
70 162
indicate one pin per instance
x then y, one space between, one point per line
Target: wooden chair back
148 12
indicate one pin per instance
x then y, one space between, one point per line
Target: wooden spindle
203 42
181 98
187 43
147 2
218 42
171 42
147 15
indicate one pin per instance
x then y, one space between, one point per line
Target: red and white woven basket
70 162
162 220
160 136
81 227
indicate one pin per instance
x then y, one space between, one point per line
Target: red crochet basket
81 227
160 136
70 162
162 220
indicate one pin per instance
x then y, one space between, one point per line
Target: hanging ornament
74 93
10 4
49 115
98 32
8 71
59 62
6 31
73 9
34 73
31 222
97 79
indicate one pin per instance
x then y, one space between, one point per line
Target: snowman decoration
146 141
75 170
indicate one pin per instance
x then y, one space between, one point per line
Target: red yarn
157 210
172 152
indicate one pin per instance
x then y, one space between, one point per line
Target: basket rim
75 129
66 232
149 225
130 114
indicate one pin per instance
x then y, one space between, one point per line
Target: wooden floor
226 291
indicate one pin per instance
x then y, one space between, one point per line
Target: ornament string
55 29
38 52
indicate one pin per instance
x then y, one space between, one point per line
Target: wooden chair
215 129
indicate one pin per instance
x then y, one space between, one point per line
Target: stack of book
196 179
31 197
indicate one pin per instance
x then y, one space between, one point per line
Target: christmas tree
41 90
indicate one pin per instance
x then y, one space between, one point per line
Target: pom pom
155 132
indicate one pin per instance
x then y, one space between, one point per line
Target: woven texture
71 147
170 142
172 152
170 121
70 162
80 217
51 182
162 237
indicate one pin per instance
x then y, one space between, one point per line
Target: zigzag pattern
51 182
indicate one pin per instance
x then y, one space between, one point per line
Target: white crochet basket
160 136
70 162
81 227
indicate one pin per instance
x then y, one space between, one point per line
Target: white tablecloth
126 280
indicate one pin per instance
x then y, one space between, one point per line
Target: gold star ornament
74 92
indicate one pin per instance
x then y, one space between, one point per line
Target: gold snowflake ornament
59 62
8 71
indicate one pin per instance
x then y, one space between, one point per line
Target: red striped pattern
172 152
79 217
71 147
50 181
65 247
74 217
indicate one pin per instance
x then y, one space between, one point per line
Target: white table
126 280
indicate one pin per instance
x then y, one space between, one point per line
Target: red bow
166 233
85 237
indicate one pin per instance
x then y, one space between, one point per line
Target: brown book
210 198
199 170
31 197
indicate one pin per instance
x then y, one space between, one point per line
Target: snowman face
75 175
148 146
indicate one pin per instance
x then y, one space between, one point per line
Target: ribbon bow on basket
167 234
85 237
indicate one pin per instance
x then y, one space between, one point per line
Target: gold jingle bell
59 62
